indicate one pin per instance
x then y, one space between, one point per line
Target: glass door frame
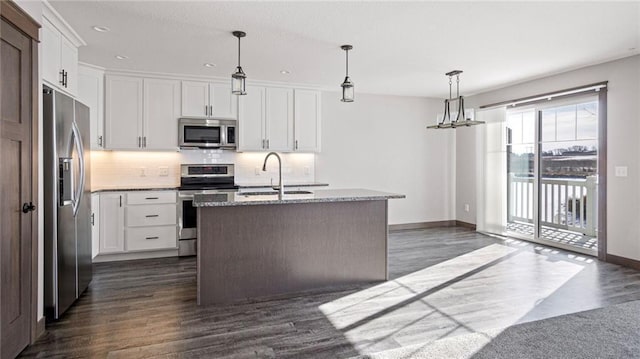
538 109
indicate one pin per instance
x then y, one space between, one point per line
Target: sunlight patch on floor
447 299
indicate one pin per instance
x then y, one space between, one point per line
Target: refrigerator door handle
77 140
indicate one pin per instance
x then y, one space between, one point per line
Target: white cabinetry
123 111
208 99
160 114
306 121
136 224
141 113
59 52
95 224
91 93
111 223
251 121
279 119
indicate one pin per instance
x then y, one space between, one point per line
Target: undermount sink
270 193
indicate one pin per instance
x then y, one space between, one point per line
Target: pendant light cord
238 51
347 51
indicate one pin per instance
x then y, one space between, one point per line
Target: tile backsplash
135 169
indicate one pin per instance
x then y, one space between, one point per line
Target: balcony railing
569 204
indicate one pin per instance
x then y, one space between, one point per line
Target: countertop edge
298 201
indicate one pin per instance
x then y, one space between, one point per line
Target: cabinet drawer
151 197
149 238
150 215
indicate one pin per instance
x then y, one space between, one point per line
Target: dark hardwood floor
444 282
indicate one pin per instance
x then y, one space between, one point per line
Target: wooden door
123 110
15 190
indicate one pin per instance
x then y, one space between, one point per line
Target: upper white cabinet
279 119
307 121
91 93
141 113
123 111
160 114
208 99
251 124
59 52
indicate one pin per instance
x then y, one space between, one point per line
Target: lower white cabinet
111 223
151 238
95 224
136 221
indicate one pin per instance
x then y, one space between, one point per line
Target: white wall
623 138
381 143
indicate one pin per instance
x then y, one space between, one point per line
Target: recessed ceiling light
121 57
101 28
208 64
285 72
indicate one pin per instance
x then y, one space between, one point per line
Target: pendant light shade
348 93
238 78
461 119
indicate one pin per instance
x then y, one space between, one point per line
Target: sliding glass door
552 171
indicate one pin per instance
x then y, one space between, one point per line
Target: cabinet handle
152 237
211 110
61 77
267 144
65 78
152 215
206 110
100 141
152 198
139 141
93 219
120 200
296 144
263 146
144 141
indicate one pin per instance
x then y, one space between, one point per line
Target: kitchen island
256 246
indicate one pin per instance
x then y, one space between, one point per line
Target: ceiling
400 48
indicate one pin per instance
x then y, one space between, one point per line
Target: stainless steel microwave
207 133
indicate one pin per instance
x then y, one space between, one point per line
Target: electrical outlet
621 171
143 171
466 207
163 171
307 171
258 170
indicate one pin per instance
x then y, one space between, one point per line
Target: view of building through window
568 136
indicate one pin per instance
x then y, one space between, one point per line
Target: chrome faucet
264 168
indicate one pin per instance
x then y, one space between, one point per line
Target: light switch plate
163 171
621 171
143 171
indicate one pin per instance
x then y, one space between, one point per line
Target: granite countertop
266 185
124 189
322 195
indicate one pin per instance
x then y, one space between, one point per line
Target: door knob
28 207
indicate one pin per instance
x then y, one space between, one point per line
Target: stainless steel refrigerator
67 201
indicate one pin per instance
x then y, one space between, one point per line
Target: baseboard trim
100 258
40 326
626 262
427 225
465 225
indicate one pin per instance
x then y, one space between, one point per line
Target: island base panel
247 252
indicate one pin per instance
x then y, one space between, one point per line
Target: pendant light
461 119
238 78
347 86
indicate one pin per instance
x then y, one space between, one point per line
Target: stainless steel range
209 179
